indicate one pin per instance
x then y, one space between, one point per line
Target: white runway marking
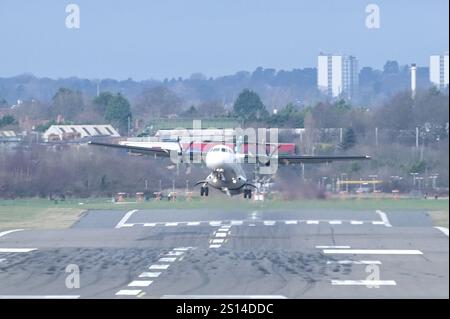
363 282
373 251
355 262
167 259
2 260
215 246
171 224
218 241
16 250
223 229
39 296
384 218
221 235
122 222
356 222
9 232
126 292
215 223
331 247
193 223
182 249
443 229
335 222
312 222
149 224
175 253
377 222
160 267
269 222
140 283
149 275
291 222
237 222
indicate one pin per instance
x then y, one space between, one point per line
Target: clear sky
171 38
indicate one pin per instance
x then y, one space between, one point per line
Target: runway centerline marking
363 282
167 259
160 267
312 222
373 251
127 292
384 218
354 262
149 275
335 222
123 221
16 250
140 283
10 231
175 253
443 229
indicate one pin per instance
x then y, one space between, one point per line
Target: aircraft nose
214 160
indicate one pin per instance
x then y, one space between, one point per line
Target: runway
230 254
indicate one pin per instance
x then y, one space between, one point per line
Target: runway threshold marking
384 218
16 250
354 262
149 275
10 231
443 229
123 221
159 267
363 283
373 251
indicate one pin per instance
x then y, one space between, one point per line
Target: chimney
413 80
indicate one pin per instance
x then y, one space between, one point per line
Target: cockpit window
224 149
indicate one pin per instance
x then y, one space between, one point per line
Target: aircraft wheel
202 191
206 191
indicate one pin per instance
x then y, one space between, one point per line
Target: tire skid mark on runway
161 265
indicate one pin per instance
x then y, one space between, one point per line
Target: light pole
414 175
373 181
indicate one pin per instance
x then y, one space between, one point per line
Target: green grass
42 213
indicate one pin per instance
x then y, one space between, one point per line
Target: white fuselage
227 173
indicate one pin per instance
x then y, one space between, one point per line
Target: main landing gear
248 193
204 191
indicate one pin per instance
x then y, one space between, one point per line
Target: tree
102 101
67 103
249 106
349 139
157 102
118 112
7 120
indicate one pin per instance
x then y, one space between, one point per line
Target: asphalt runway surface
229 254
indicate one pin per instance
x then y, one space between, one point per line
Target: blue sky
171 38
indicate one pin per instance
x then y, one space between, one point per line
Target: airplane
227 174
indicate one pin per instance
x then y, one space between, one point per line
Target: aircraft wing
156 151
310 159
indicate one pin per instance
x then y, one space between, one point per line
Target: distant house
74 132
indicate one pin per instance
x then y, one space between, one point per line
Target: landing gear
248 193
204 191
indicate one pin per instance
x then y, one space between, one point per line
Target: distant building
73 132
337 75
439 71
